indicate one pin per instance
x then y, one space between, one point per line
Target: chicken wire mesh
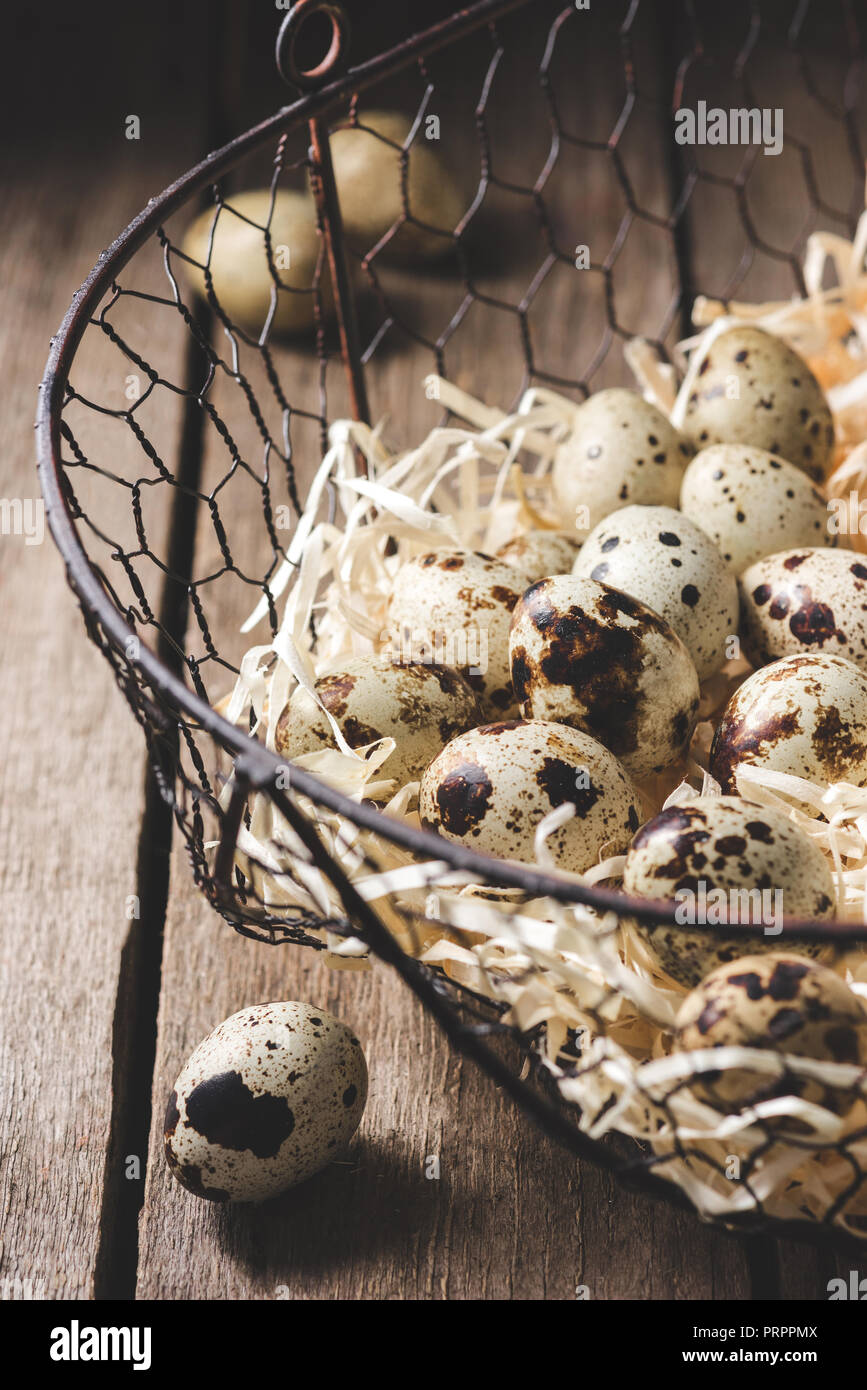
178 447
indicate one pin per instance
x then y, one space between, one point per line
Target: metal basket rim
255 764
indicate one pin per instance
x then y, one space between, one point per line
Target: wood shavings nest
587 988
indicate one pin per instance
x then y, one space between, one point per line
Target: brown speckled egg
805 600
804 715
621 450
661 557
270 1097
587 655
696 852
752 388
490 788
779 1003
420 706
454 607
539 553
752 504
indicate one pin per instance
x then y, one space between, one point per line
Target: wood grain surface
100 1012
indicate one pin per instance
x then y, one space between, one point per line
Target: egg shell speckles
489 789
587 655
805 600
540 553
805 715
269 1098
779 1003
752 388
751 503
420 706
455 606
729 844
621 450
658 555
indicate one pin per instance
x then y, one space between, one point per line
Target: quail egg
375 178
658 555
269 1098
420 706
805 600
621 449
723 859
491 787
804 715
752 504
587 655
752 388
539 553
453 607
779 1003
235 251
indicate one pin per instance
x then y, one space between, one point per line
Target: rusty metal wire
173 439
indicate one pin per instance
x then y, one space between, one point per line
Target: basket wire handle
324 186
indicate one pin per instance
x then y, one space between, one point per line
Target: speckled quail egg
779 1003
725 859
752 504
752 388
269 1098
805 600
454 607
540 553
658 555
420 706
622 449
587 655
491 787
804 715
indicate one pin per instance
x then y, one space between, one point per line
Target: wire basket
175 496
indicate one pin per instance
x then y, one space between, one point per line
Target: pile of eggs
568 667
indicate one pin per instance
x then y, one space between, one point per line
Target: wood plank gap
134 1028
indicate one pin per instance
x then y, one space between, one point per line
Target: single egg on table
421 706
658 555
490 788
540 553
453 607
805 600
725 859
621 450
802 715
778 1003
590 656
752 388
752 503
269 1098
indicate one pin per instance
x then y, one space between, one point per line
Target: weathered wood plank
71 758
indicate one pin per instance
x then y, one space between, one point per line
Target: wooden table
100 1011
